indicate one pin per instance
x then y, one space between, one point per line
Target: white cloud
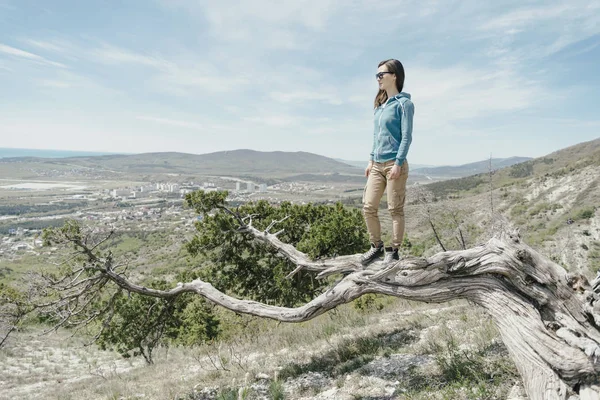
330 96
173 122
190 80
279 121
263 23
525 17
22 54
53 46
81 85
311 14
109 54
551 28
55 84
283 120
448 100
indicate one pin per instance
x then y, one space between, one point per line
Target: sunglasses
379 75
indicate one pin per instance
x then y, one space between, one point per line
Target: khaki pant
396 192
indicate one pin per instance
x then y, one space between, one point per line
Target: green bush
276 390
444 188
228 394
249 269
369 302
521 170
585 213
140 323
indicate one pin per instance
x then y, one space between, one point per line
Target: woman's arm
406 127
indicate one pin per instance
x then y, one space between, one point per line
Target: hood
402 94
398 97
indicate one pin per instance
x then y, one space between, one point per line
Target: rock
311 381
262 375
395 366
516 393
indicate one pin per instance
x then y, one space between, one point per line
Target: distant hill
457 171
9 152
564 162
450 171
235 162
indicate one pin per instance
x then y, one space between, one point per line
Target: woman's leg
371 198
396 194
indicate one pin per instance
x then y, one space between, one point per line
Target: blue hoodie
392 134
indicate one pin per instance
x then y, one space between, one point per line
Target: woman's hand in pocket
395 172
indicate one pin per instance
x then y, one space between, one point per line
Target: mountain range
456 171
275 165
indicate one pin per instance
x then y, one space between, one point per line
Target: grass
276 390
18 369
474 365
594 256
350 354
266 347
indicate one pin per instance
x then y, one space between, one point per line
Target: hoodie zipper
381 115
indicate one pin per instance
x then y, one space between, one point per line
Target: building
250 187
238 186
147 188
120 192
139 195
262 187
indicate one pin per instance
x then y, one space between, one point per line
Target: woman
388 167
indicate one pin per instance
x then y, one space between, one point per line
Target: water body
42 186
12 152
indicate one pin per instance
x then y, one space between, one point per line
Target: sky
503 78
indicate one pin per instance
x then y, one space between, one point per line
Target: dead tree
548 319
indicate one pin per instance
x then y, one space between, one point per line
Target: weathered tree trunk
548 319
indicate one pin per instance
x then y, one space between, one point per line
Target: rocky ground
405 351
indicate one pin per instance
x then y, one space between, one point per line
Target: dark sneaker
373 253
391 255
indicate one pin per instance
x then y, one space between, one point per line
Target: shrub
254 270
521 170
276 390
585 213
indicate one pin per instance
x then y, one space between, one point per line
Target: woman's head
390 77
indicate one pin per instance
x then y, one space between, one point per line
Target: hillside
224 162
559 163
422 172
237 162
554 200
457 171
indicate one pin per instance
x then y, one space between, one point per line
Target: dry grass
56 367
